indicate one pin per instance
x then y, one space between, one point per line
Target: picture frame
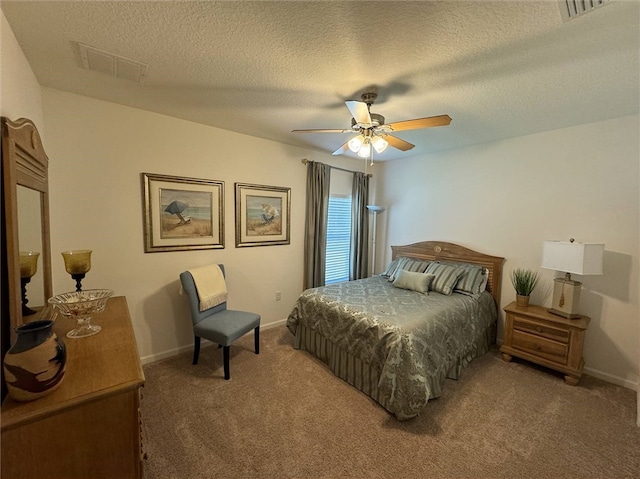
263 215
182 214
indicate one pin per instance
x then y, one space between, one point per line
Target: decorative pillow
447 275
413 281
474 279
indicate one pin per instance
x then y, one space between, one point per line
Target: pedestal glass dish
82 305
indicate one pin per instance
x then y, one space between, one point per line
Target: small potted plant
524 282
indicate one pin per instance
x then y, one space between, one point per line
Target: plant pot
34 366
522 301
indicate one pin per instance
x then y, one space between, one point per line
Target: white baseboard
611 378
167 354
189 347
274 324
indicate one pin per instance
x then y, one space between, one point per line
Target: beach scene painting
263 215
182 213
186 214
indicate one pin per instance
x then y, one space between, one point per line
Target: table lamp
570 257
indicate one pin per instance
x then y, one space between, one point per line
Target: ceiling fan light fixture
379 143
355 143
365 150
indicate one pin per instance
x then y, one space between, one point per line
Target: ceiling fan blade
359 111
342 149
428 122
398 143
321 131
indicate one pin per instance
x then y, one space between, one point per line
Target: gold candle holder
28 267
77 263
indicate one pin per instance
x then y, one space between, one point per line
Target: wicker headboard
443 251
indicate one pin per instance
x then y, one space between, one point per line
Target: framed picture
262 215
182 213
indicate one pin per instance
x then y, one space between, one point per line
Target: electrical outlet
278 295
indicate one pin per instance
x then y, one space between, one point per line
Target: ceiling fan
373 132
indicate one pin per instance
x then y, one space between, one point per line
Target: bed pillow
413 281
446 276
407 264
474 279
392 268
413 265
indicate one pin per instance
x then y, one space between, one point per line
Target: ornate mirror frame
24 163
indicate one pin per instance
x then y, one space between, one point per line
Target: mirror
30 240
26 221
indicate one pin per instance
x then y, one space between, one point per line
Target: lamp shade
365 149
355 143
573 257
379 143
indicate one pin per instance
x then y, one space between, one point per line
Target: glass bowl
82 305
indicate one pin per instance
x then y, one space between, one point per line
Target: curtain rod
305 161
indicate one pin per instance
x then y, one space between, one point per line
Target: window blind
338 240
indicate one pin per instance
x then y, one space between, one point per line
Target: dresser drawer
544 348
538 329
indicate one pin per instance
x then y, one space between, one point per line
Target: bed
396 344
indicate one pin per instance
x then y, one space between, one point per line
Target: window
338 240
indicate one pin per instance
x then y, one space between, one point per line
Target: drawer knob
537 347
539 329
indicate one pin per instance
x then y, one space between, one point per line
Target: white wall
98 151
506 198
20 93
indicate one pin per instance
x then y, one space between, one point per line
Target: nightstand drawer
539 346
538 329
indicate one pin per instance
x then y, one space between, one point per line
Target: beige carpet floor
283 414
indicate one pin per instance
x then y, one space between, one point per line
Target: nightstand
534 334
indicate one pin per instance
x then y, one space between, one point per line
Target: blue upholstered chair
218 324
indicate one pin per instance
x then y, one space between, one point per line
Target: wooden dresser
90 427
534 334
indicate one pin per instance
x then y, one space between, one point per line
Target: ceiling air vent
111 64
570 9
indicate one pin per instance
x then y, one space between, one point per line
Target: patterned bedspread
413 339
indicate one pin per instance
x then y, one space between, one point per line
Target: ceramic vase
34 366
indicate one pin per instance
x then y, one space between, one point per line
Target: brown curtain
315 231
359 249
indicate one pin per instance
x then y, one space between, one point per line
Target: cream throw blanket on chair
210 285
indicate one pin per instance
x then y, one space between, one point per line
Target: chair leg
256 339
225 357
196 349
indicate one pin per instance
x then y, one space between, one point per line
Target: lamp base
563 314
566 298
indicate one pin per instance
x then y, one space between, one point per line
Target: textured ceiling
264 68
